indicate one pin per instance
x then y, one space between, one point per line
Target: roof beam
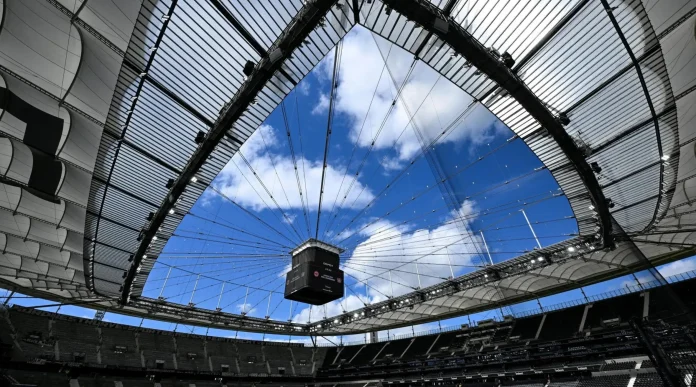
466 45
356 12
123 191
248 36
547 38
122 137
648 99
173 96
306 20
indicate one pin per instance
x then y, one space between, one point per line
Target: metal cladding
315 277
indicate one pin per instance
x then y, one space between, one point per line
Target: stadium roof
134 142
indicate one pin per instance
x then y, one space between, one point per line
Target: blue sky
395 209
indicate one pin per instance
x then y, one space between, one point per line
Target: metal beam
123 191
631 130
300 27
611 79
150 60
447 29
248 36
648 99
173 96
547 38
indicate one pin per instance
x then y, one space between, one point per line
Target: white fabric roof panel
47 53
96 79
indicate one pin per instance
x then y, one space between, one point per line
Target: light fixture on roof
665 157
571 249
563 118
591 207
248 68
540 259
144 256
507 59
200 136
171 211
170 183
595 167
194 179
154 238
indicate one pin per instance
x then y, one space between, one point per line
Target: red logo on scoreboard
316 274
338 279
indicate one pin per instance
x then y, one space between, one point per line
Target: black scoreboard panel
315 277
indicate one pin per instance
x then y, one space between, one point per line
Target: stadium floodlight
194 179
571 249
665 157
171 211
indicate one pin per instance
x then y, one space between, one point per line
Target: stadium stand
562 324
591 358
605 381
651 379
616 366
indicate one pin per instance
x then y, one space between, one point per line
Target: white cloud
322 104
668 270
433 249
246 308
303 88
290 219
264 152
678 267
439 100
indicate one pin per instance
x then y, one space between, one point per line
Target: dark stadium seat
190 354
617 366
367 354
605 381
622 308
156 349
394 349
346 354
526 328
75 338
419 347
222 353
562 324
119 347
651 379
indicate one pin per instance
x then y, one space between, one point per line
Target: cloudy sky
417 176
